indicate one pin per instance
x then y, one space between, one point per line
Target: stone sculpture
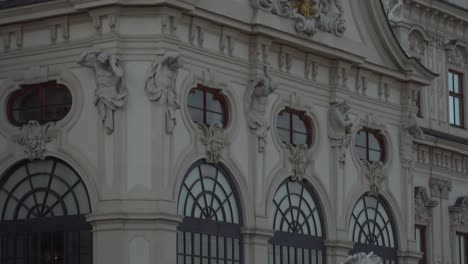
299 157
310 15
34 137
339 128
214 139
256 102
111 91
363 258
160 85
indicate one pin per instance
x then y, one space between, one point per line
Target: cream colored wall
134 174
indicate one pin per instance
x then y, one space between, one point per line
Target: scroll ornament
160 85
310 15
111 92
256 101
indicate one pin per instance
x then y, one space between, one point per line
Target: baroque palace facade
233 131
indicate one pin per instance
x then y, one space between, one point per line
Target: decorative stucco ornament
410 130
160 85
310 15
363 258
34 136
299 157
422 206
255 103
373 171
214 139
339 128
459 213
393 9
111 91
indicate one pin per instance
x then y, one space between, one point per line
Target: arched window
372 229
43 102
42 219
297 221
211 229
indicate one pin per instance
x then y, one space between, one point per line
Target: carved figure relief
417 45
111 91
214 139
34 137
160 85
363 258
459 213
299 157
310 15
255 103
339 128
373 172
410 130
422 206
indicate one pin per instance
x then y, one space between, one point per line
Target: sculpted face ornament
214 140
299 156
34 138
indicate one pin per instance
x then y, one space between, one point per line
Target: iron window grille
372 229
43 102
294 127
370 145
207 106
456 105
297 220
43 204
211 228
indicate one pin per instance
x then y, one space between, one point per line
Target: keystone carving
339 129
310 15
299 157
440 188
373 172
410 130
111 91
34 137
214 139
363 258
160 85
422 206
255 103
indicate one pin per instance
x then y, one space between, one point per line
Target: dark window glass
372 229
461 248
294 127
370 145
43 102
418 104
456 106
211 228
207 106
420 233
42 215
297 221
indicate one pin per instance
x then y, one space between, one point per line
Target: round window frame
307 121
13 95
378 134
218 94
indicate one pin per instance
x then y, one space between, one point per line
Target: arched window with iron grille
298 224
42 208
372 229
211 228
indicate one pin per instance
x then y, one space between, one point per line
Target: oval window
43 102
207 106
370 145
294 127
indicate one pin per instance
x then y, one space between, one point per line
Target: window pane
361 153
457 111
284 135
212 118
299 139
361 138
451 110
196 115
374 155
195 98
213 103
455 83
450 81
299 124
373 142
283 120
